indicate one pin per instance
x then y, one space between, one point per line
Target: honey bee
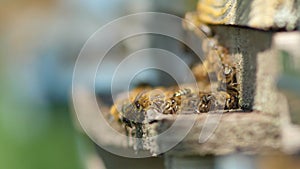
145 101
227 77
218 68
117 109
217 101
231 101
166 101
208 70
132 113
173 104
214 101
228 84
207 102
182 92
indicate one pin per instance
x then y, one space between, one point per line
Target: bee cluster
218 89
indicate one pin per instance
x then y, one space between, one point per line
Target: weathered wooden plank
256 77
259 14
250 132
253 132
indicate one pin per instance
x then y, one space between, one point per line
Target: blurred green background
39 43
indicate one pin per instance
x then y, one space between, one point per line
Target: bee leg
139 130
139 134
126 130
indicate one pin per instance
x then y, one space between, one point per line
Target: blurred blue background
39 44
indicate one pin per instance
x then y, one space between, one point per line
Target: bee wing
140 95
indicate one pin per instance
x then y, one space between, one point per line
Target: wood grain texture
257 78
253 132
247 132
259 14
